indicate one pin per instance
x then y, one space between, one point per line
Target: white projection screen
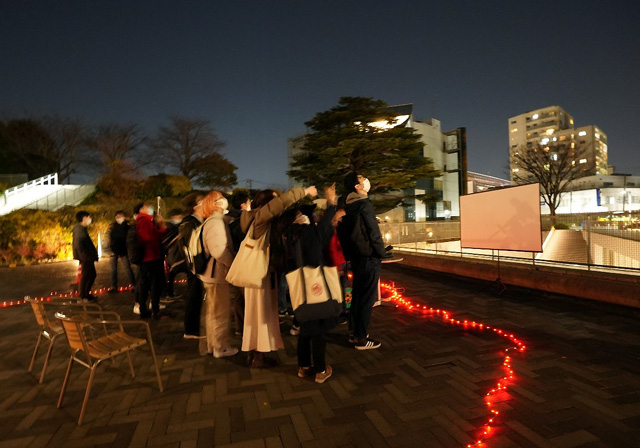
505 219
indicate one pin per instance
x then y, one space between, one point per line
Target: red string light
392 294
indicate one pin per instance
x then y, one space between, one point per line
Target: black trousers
151 277
312 345
87 277
366 274
193 305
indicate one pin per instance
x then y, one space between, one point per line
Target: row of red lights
392 294
59 295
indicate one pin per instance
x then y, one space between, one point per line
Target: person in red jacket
150 230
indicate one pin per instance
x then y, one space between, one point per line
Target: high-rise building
554 127
447 150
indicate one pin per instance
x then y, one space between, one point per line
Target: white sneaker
295 331
229 351
136 308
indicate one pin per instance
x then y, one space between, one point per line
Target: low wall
612 288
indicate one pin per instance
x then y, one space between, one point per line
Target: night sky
259 69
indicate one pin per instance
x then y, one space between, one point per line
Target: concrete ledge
605 287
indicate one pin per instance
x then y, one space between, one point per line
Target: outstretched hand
311 191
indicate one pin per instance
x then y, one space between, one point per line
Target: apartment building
554 127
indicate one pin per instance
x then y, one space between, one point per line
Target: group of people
299 234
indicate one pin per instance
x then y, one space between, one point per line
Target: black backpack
135 251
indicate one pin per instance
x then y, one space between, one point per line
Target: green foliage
561 226
214 171
116 185
345 139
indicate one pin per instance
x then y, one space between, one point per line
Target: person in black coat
362 244
118 245
312 238
85 252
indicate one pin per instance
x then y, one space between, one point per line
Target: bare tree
186 143
553 166
116 147
68 138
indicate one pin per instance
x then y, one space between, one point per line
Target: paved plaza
577 383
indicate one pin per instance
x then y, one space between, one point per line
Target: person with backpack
261 333
173 254
362 245
118 245
217 246
193 302
149 230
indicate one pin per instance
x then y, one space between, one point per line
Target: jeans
366 273
150 284
308 345
114 270
283 292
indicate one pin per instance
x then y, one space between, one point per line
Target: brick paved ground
576 385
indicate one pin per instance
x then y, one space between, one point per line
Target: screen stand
497 283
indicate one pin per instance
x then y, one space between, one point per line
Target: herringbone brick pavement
576 385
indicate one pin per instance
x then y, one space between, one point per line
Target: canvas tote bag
250 266
315 291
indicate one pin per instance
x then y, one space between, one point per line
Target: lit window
514 130
571 121
573 145
535 116
583 160
555 139
554 157
549 131
582 133
544 141
597 135
515 170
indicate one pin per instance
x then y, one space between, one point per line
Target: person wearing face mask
362 245
85 252
217 243
150 230
118 245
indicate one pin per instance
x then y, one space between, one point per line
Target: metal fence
589 241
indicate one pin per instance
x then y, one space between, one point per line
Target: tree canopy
359 135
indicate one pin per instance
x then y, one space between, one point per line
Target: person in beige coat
217 243
261 333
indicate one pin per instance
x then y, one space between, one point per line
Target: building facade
448 152
477 182
554 127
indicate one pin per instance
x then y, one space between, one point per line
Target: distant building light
582 133
554 157
535 116
583 160
549 131
555 139
514 130
544 141
597 135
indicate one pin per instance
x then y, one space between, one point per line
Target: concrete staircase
567 246
43 194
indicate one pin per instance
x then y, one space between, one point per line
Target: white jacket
217 243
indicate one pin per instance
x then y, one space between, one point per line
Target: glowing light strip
486 430
59 295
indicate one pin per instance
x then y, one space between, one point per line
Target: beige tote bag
250 266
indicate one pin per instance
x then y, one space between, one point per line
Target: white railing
49 179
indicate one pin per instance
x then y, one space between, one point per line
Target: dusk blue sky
259 69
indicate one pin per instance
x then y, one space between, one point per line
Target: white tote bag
309 285
250 266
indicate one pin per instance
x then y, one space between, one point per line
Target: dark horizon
258 71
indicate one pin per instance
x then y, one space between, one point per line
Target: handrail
49 179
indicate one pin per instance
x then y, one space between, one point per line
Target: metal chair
90 351
50 328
